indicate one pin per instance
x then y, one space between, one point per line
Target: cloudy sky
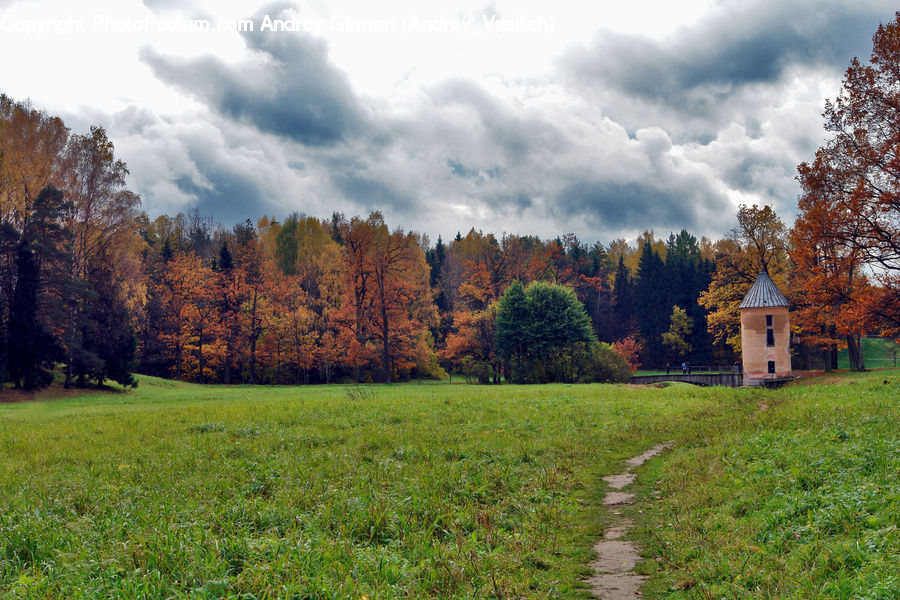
521 116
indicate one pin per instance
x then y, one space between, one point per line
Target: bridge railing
702 379
711 369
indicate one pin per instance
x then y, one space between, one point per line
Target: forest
96 289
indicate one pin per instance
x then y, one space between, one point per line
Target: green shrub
607 366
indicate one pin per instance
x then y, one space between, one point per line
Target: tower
765 332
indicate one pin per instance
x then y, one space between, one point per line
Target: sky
527 117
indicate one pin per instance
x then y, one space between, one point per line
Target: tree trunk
253 360
854 349
834 357
826 358
852 353
227 362
386 352
200 353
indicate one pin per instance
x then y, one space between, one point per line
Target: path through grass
447 491
421 491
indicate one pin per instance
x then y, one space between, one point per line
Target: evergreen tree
165 254
651 304
539 329
226 260
623 292
435 258
108 339
32 347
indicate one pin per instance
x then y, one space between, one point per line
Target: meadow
447 491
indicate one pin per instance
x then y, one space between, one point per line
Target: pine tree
32 346
651 303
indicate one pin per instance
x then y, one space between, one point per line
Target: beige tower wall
755 353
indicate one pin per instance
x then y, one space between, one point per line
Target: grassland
444 491
799 501
878 353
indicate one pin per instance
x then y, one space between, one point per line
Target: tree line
94 288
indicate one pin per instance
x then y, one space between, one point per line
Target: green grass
431 491
446 491
877 353
800 501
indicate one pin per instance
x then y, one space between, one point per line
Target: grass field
878 353
447 491
801 501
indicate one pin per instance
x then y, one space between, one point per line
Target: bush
476 370
608 366
577 363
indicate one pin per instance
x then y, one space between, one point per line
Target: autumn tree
177 290
387 297
204 321
829 288
31 143
471 346
677 338
758 242
353 318
102 221
850 207
294 324
403 299
630 350
476 254
253 275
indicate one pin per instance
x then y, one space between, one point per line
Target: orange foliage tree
829 289
850 209
176 290
387 298
757 243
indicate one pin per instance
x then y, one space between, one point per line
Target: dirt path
614 577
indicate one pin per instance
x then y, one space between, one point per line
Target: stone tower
765 332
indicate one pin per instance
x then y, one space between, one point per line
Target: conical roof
763 293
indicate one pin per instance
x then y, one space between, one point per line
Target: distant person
667 368
689 368
684 368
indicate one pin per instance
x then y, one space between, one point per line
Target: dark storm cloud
625 205
291 90
372 193
234 197
743 43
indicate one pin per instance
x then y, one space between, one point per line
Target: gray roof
763 294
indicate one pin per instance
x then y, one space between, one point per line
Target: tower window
772 367
770 337
768 320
